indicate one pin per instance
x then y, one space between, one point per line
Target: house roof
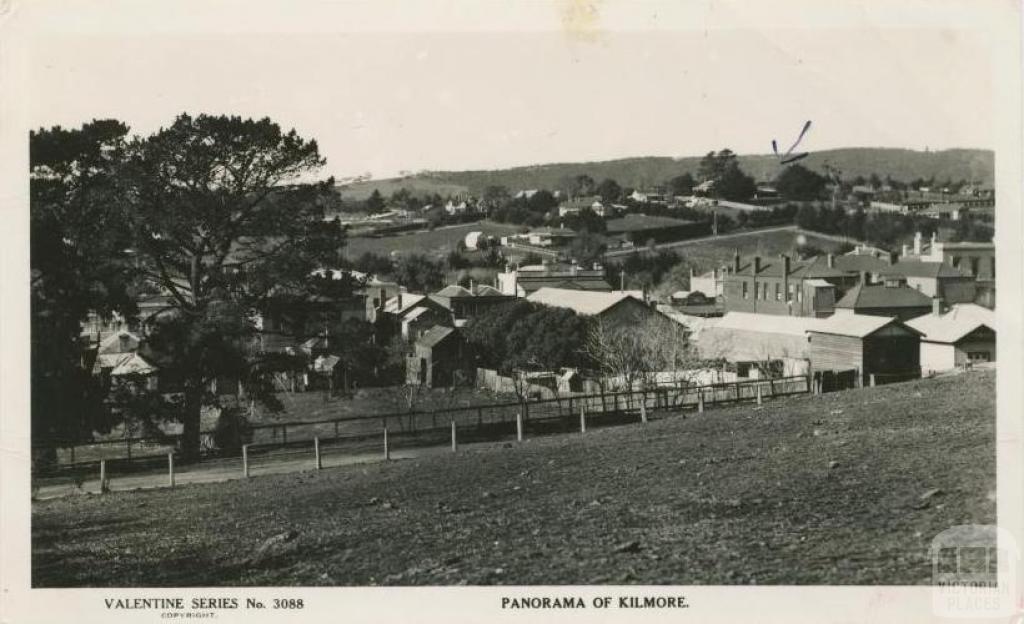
973 311
532 284
949 327
768 323
744 336
415 313
134 364
584 302
920 268
861 262
772 266
483 290
882 296
855 325
453 290
112 343
325 363
435 336
409 301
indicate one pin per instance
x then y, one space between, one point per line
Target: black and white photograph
533 300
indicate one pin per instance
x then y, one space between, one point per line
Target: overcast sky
574 88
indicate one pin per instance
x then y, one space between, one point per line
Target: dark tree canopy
797 182
528 336
217 214
78 264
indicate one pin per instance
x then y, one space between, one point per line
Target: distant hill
901 164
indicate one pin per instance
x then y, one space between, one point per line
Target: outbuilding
857 349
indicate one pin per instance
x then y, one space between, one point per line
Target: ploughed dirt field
847 488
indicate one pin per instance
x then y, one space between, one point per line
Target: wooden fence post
519 426
583 419
771 387
387 449
316 452
170 468
245 460
759 394
643 411
284 435
455 443
872 380
104 488
700 401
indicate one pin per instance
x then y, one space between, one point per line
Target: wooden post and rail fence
349 435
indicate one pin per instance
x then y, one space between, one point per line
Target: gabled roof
112 343
919 268
861 262
325 363
856 325
435 336
948 327
882 296
583 302
768 323
453 290
483 290
134 364
773 266
409 301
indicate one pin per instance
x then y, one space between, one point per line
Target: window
993 265
778 292
974 266
744 290
977 356
743 370
789 293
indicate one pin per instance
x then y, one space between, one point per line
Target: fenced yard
354 438
843 488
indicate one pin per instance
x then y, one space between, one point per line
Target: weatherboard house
964 335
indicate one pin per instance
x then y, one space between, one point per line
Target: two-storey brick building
784 286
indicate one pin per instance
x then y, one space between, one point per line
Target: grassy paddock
803 490
439 241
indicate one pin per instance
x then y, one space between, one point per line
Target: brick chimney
736 262
937 306
831 259
399 302
917 243
383 298
785 265
757 264
893 257
905 250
